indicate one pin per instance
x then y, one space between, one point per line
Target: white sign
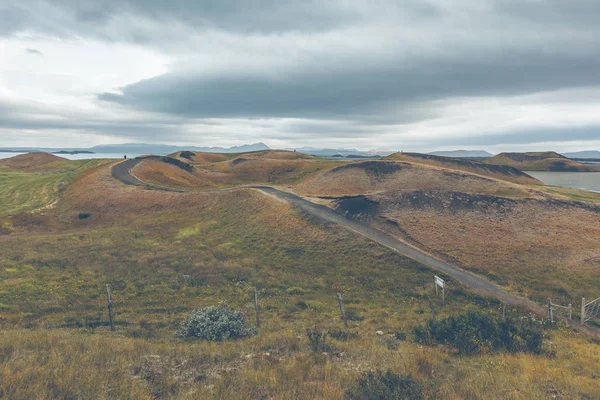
439 281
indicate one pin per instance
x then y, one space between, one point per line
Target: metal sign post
439 282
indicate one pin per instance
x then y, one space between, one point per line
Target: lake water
78 156
574 180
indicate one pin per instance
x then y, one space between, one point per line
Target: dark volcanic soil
498 169
184 166
357 206
187 154
377 168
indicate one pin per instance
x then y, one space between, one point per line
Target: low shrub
352 315
385 385
340 334
216 323
318 341
295 290
476 332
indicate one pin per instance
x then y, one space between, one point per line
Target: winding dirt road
122 171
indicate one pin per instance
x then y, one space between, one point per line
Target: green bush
295 290
318 341
339 334
476 332
385 385
216 323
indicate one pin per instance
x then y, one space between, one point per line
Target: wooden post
256 308
550 313
503 311
570 312
582 310
436 286
110 309
342 311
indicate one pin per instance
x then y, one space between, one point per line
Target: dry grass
365 177
160 173
31 160
545 161
264 167
539 248
472 167
275 365
167 253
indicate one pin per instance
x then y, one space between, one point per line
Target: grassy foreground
165 254
274 365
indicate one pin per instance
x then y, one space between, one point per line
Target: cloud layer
419 75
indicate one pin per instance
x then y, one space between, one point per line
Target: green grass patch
23 191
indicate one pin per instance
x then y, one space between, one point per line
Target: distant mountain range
588 154
140 148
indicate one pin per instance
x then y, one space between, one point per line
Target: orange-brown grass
166 253
277 155
540 248
374 176
31 160
196 157
267 170
169 175
474 167
542 161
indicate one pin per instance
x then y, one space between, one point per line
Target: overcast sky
416 75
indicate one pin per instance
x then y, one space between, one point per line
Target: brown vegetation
167 253
501 172
375 176
30 160
538 247
544 161
223 170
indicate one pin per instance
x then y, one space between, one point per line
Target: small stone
379 333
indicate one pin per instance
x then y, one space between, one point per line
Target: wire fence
589 310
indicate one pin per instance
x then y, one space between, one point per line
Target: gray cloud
345 68
383 91
529 136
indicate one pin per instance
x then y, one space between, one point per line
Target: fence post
342 311
110 309
256 308
550 313
582 310
570 312
503 311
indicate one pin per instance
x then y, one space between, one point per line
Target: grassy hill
31 160
543 161
166 253
501 172
33 181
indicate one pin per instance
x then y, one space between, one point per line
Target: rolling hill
502 172
166 253
543 161
30 160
